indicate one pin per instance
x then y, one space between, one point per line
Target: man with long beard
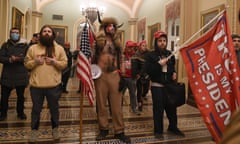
45 60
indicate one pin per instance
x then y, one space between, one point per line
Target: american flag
83 66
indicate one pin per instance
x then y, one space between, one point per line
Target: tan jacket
45 76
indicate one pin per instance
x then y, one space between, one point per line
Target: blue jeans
130 83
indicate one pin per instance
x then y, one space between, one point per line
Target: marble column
4 17
36 21
132 22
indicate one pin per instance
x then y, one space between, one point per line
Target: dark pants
160 103
142 89
38 95
65 78
5 93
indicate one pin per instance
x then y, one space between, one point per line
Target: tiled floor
139 128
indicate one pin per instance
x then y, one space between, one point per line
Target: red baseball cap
142 42
67 44
159 34
131 44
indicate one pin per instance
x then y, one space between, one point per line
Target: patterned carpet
139 128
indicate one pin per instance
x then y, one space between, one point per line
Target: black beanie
235 36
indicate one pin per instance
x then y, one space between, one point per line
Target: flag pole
90 25
82 92
195 34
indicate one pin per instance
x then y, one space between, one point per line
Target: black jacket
75 54
138 61
154 69
69 63
13 73
69 56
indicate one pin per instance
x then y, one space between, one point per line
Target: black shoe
102 135
136 112
122 137
22 116
176 131
3 117
65 91
158 136
140 108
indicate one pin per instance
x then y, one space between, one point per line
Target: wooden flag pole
81 111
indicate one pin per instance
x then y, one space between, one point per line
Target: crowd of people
45 66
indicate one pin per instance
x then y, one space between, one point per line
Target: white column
36 20
133 29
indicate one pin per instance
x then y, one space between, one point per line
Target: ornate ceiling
130 6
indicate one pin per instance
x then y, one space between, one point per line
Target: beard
163 49
110 33
46 40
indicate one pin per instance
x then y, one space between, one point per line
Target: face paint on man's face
110 28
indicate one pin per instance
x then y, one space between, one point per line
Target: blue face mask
14 36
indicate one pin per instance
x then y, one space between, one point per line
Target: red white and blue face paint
110 28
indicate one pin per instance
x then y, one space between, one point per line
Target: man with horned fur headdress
108 85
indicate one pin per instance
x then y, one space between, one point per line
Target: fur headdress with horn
101 35
107 20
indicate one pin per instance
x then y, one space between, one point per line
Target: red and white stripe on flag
84 74
83 65
213 75
91 38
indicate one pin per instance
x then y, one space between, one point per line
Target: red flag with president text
213 75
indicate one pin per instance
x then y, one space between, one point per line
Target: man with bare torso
108 85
